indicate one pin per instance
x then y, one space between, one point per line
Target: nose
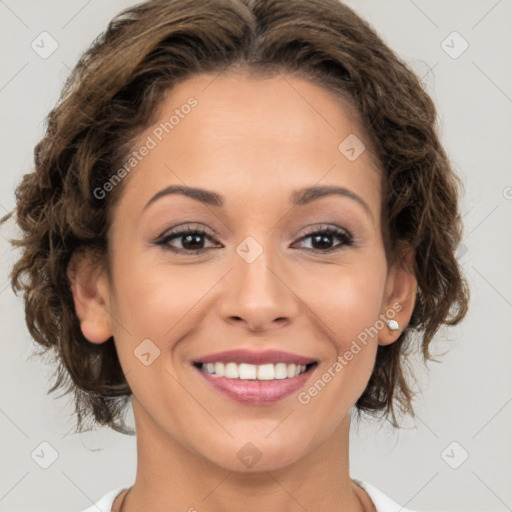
257 294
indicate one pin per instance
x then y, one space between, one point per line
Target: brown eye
322 239
191 240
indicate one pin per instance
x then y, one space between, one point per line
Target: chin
257 455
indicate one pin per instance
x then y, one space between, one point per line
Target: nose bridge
253 264
256 293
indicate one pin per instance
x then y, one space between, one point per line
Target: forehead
241 135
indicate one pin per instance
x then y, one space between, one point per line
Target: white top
382 502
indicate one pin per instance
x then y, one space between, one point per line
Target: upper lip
252 357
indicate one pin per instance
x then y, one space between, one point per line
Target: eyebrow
300 197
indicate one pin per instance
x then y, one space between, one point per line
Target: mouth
255 378
260 372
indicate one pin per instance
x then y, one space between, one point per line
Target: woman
240 215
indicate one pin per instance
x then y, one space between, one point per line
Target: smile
246 371
255 378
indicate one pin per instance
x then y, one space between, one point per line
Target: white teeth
281 371
245 371
266 372
231 371
219 369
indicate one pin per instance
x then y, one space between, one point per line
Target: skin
254 141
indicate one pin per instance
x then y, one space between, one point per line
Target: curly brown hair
112 95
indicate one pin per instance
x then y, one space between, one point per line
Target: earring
393 325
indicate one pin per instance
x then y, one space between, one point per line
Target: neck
172 477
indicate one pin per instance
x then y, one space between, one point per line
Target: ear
89 286
399 296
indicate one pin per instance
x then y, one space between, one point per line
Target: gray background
467 399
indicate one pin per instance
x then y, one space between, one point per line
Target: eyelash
343 235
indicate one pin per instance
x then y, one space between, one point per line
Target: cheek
156 300
149 302
348 314
346 299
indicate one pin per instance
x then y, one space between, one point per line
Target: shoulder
382 502
105 503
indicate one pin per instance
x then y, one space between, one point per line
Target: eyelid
183 229
327 227
202 230
344 235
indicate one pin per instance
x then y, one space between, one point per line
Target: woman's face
270 265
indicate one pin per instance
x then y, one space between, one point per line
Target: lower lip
257 391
